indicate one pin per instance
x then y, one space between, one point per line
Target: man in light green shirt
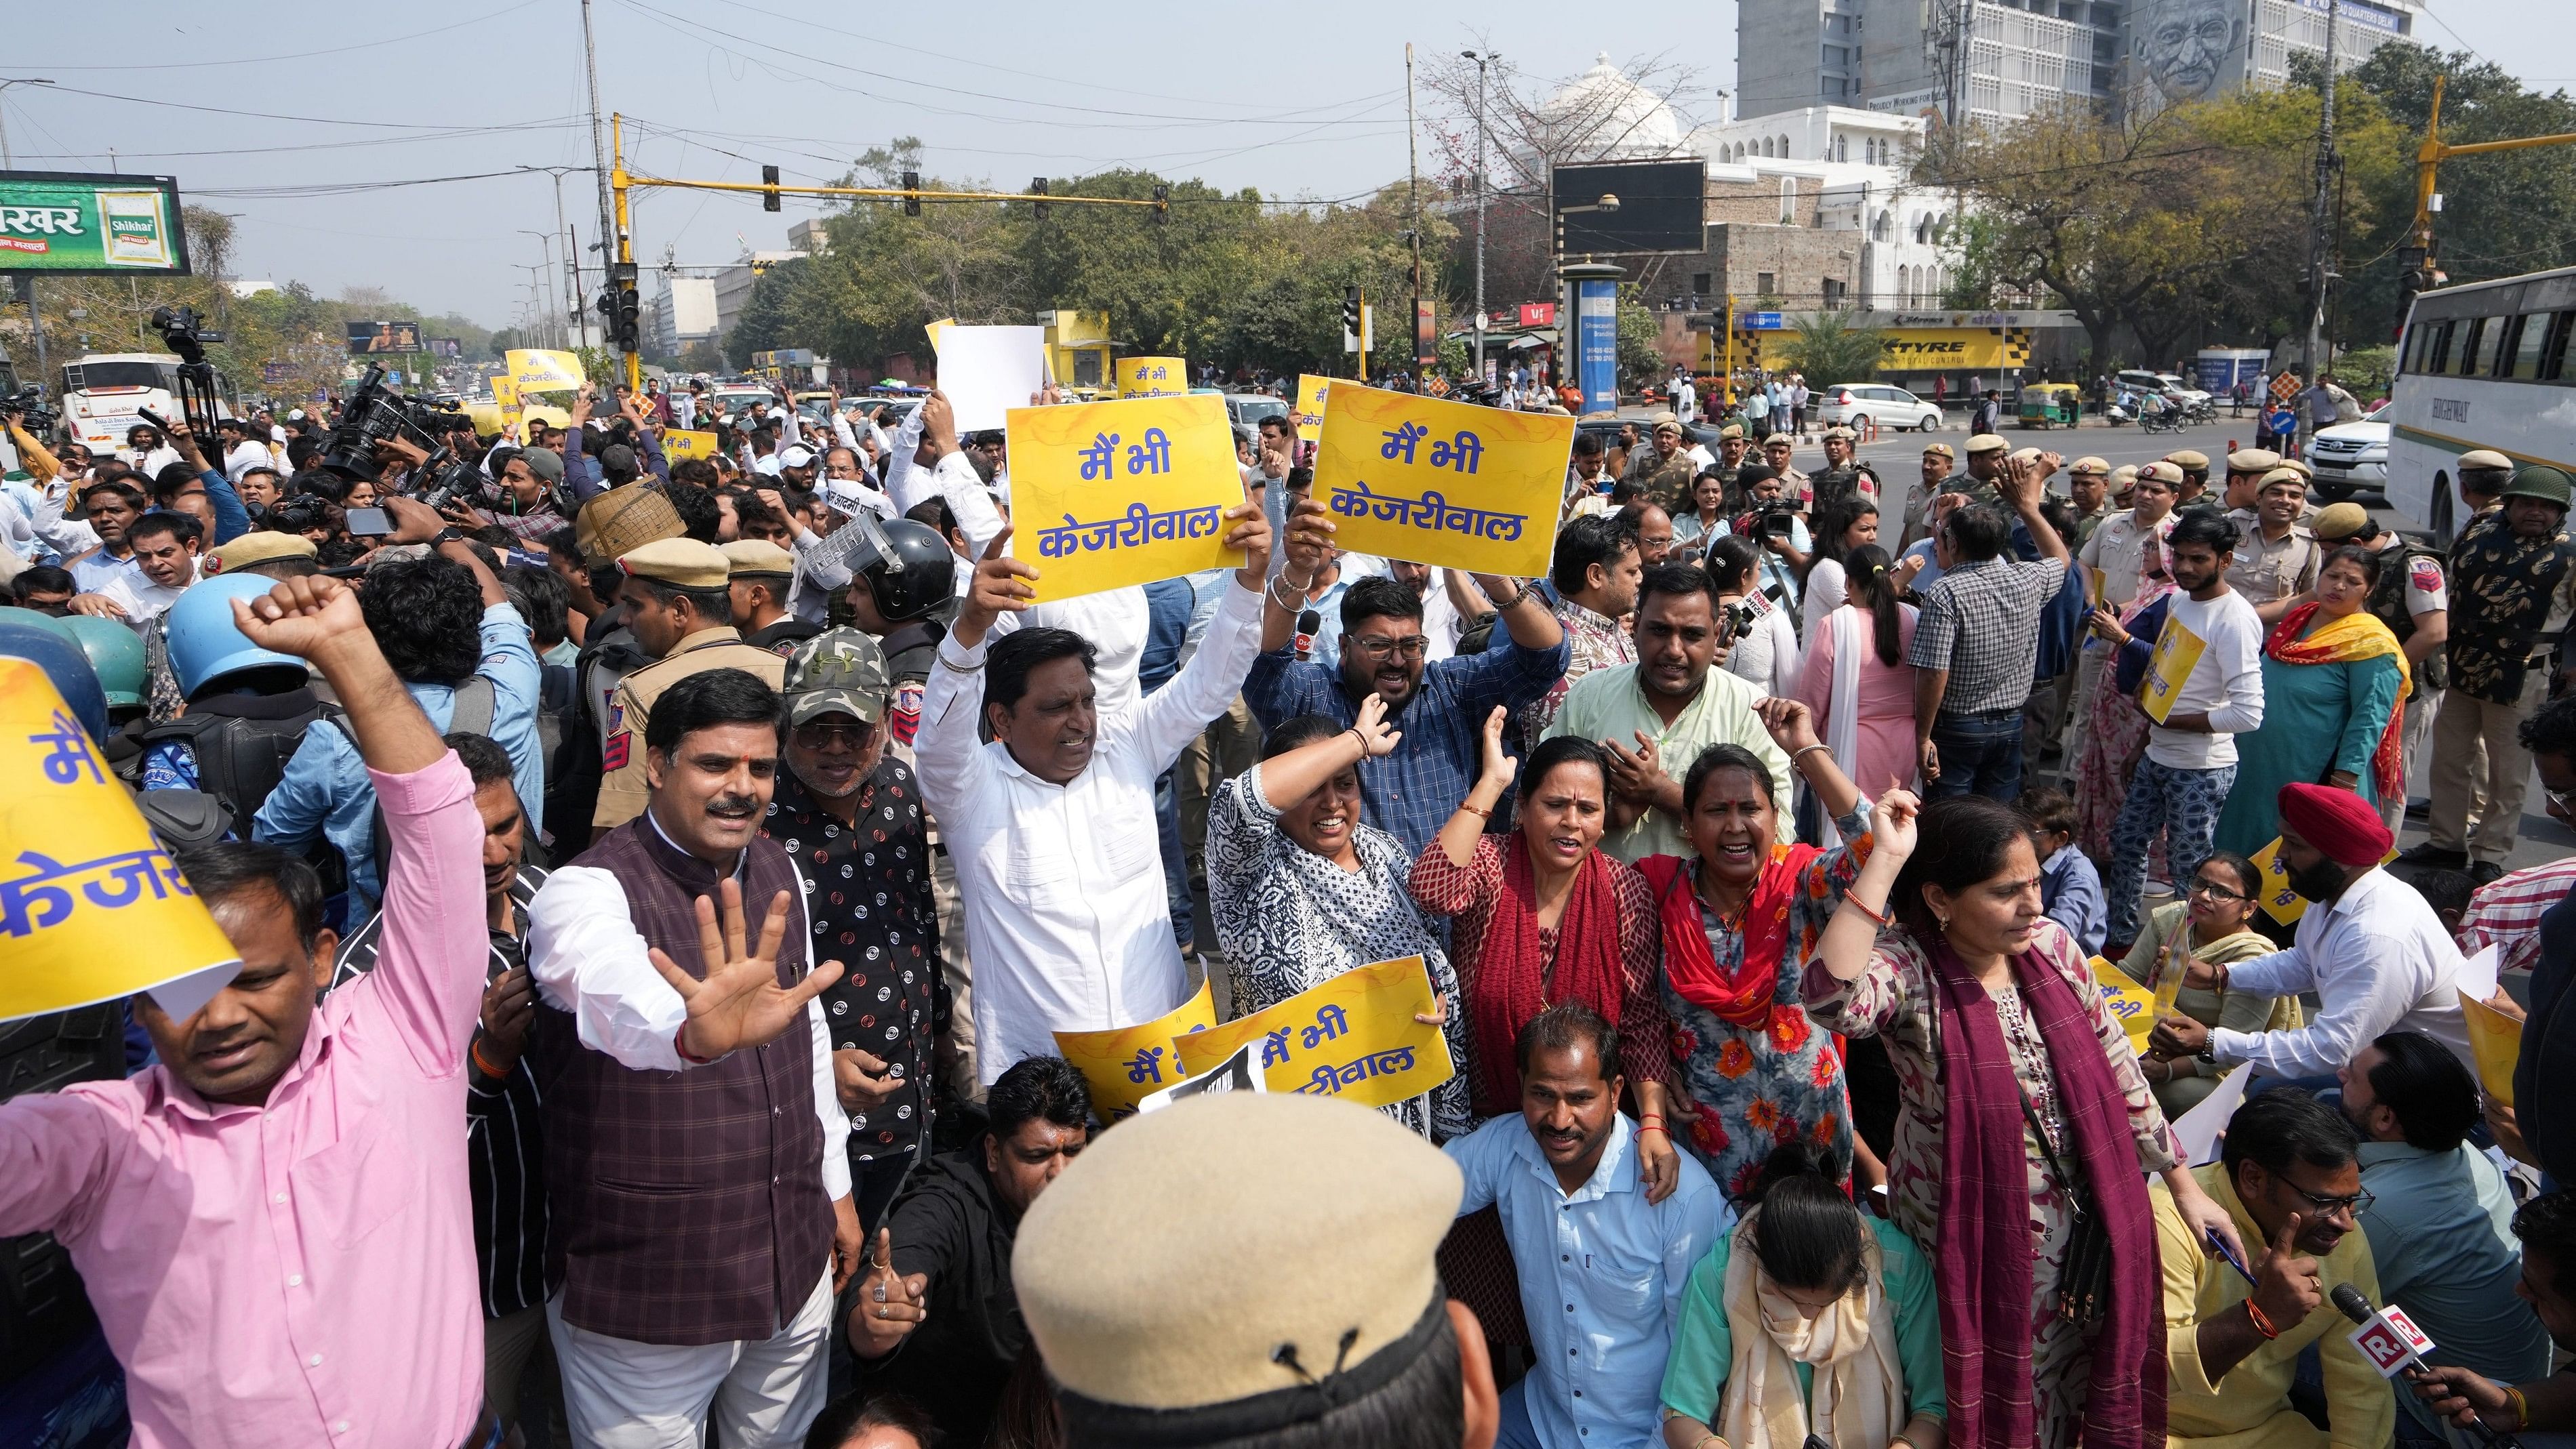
1655 716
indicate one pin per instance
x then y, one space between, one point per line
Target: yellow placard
2279 901
535 369
1109 494
2100 582
2495 1039
1131 1062
679 443
1309 414
1443 483
505 395
2132 1005
2177 650
1152 377
91 908
1354 1037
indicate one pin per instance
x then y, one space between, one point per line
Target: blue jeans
1980 754
2184 804
1516 1431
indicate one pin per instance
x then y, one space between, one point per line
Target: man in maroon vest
696 1173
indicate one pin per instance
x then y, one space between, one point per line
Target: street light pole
2320 234
35 319
1480 60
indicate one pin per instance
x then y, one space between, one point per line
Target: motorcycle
2162 420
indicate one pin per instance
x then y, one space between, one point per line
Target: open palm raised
739 1003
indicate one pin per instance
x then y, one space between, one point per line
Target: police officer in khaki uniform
680 606
2195 475
2088 487
2513 592
758 575
2276 558
1841 478
1986 455
2245 470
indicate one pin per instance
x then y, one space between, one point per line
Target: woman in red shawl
1740 917
2024 1133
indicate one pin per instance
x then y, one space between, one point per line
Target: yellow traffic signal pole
2435 151
620 180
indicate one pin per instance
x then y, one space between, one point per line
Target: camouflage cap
839 671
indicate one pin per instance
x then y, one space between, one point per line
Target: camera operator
1772 523
209 495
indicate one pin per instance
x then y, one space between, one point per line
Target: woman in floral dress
1740 919
2020 1099
1301 891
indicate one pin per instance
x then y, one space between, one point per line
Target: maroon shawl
1984 1261
1513 980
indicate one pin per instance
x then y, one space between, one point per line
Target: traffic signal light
1162 201
621 303
2414 274
912 204
769 198
1351 319
1038 187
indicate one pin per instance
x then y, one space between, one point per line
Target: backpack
239 759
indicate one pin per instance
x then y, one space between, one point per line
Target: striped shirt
505 1150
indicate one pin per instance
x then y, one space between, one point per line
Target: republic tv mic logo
2390 1340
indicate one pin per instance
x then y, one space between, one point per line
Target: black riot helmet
907 568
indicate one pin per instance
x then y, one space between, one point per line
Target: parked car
2350 457
2174 388
1247 409
1859 404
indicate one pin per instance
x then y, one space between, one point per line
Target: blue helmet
203 642
114 650
65 664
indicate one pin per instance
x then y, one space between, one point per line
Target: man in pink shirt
273 1223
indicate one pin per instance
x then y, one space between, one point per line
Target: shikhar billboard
81 223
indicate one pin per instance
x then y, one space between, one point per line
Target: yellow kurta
2250 1407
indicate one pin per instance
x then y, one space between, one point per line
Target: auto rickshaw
2051 404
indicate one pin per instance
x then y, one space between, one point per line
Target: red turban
2337 822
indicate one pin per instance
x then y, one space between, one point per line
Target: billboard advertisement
1596 322
367 338
80 223
1631 206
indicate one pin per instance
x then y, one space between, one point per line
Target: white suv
1859 404
2169 384
2351 456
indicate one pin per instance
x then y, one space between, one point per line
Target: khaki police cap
2300 467
1667 420
680 562
2124 477
2337 522
1942 450
2253 460
2163 471
2486 458
2190 460
1732 431
1242 1260
2091 466
234 555
1839 434
1987 443
757 556
2283 473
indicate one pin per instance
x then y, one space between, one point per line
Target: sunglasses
825 736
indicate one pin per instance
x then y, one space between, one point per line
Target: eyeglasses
2356 1205
1378 646
2203 886
2565 800
824 736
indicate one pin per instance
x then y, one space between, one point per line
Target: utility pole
1480 60
2320 236
598 150
1413 199
35 318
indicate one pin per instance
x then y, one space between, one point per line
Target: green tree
1828 347
1641 356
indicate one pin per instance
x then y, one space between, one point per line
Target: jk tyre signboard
77 223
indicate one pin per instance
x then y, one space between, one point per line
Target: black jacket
950 1225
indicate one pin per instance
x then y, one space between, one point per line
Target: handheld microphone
1309 624
2392 1342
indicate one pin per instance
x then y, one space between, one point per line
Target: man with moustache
696 1171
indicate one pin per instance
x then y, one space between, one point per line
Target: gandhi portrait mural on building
2183 47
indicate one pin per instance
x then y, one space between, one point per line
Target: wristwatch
444 537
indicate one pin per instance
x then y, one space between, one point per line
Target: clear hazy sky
1304 100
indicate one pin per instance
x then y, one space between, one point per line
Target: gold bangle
2521 1407
1472 810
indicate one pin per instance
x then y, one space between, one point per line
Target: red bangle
482 1063
2262 1325
680 1044
1856 904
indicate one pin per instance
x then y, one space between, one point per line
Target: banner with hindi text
1354 1037
1152 377
1307 412
1108 494
539 369
1129 1063
2132 1005
1444 483
91 908
2279 901
680 443
2168 668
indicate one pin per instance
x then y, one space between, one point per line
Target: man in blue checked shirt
1440 709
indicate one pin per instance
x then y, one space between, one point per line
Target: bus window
2531 338
2440 361
2553 353
2480 360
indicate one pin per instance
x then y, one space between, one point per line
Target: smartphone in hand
369 522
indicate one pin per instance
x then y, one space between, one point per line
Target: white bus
103 391
2484 365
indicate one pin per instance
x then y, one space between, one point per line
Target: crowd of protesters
725 840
